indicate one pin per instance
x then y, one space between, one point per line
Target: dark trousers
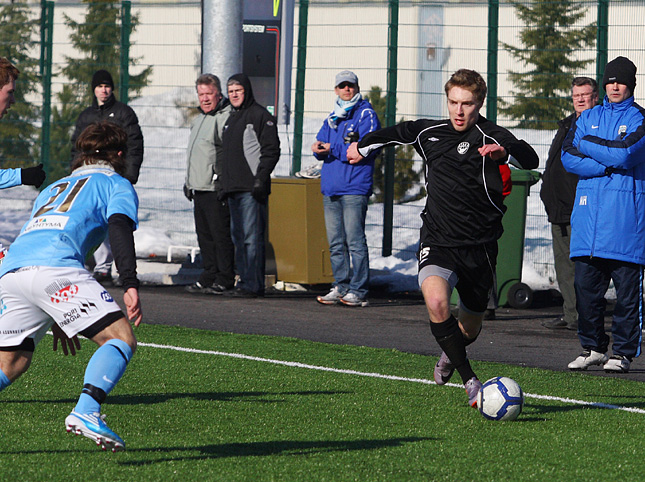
593 276
565 271
249 223
213 228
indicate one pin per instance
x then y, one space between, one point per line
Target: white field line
380 375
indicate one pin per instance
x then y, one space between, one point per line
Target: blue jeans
248 228
345 223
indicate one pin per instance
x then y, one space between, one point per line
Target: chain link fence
434 39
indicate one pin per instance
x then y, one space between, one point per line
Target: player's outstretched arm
133 306
524 154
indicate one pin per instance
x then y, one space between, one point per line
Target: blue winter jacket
339 177
606 149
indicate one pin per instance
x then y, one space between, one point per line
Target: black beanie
621 70
102 77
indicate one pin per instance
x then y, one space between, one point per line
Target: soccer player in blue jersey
43 278
32 176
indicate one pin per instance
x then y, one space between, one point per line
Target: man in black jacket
462 218
250 152
105 107
558 193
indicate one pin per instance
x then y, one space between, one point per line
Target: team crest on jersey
46 222
622 130
65 294
463 147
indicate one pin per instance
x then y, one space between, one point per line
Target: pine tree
18 136
96 37
405 176
551 43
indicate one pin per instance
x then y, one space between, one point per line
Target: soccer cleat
586 359
617 364
443 370
330 298
352 299
92 425
473 386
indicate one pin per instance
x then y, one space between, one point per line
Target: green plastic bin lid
524 175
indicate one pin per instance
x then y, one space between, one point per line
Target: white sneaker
588 358
330 298
617 364
352 299
312 172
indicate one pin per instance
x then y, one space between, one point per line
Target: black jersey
464 202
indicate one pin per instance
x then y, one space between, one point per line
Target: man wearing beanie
606 149
105 107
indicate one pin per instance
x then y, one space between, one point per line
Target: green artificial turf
187 414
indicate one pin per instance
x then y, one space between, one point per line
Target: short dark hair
209 79
469 80
8 72
580 81
102 141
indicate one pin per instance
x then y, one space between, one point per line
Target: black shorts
469 269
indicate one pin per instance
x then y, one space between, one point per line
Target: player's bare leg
117 344
451 335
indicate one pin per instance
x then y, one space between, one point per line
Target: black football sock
468 341
451 341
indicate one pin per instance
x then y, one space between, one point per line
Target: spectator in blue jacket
346 189
606 149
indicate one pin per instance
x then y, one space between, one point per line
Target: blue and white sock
4 381
104 370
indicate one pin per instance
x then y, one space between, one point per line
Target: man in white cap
346 189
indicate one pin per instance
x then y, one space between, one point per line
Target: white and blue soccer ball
501 398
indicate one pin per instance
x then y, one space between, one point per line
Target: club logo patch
463 147
105 296
65 294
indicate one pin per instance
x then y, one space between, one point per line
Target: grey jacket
205 148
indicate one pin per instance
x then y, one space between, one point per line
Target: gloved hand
32 176
259 192
188 193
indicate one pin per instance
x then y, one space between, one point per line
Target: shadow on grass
538 409
261 449
212 396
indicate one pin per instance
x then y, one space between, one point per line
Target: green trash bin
510 289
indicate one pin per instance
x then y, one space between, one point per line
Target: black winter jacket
464 203
123 116
250 145
558 189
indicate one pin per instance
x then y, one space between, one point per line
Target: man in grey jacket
212 215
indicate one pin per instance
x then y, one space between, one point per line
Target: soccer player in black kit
462 218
